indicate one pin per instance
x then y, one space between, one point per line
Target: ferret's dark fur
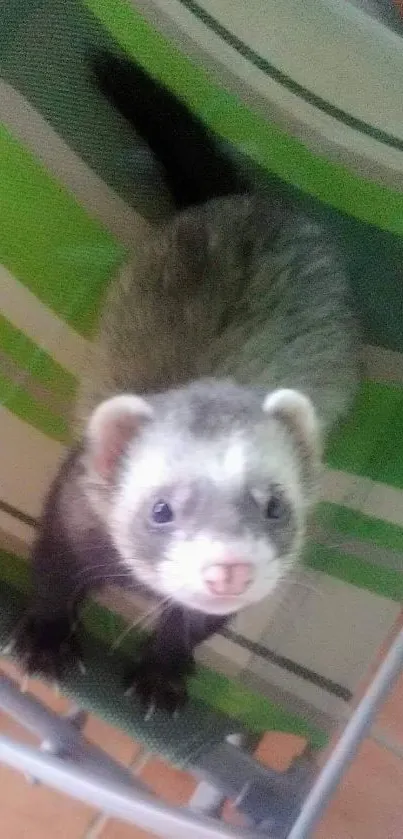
236 285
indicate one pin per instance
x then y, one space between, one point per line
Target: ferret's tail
195 167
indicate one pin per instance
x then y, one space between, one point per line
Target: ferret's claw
150 711
81 666
9 647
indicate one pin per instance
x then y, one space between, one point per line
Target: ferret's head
205 490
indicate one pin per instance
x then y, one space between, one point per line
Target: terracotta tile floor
368 805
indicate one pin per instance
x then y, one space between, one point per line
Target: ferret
225 353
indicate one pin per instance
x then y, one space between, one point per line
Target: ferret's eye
275 507
162 513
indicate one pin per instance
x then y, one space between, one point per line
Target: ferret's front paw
159 687
45 647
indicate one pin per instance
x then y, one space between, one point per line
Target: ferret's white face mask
213 523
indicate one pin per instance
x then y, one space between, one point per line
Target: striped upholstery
68 213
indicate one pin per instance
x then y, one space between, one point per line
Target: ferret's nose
228 578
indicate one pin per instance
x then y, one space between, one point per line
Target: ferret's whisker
305 586
93 582
140 622
99 567
157 611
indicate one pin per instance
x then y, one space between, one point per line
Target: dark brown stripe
18 514
285 80
291 666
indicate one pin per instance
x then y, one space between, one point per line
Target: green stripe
255 712
370 443
382 581
35 360
33 412
266 143
14 571
49 242
356 525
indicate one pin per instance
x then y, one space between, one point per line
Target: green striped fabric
48 242
46 59
63 256
272 148
58 259
35 361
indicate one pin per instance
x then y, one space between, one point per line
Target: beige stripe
370 158
344 45
101 202
384 502
59 403
369 552
28 463
49 332
364 495
224 656
383 365
343 488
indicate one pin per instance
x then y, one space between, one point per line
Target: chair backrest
71 201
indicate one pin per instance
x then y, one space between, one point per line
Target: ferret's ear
111 427
296 411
